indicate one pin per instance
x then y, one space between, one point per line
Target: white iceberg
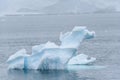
16 61
75 37
81 59
38 48
51 56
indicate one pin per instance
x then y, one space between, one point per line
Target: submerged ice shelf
51 56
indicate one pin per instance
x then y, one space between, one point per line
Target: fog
15 5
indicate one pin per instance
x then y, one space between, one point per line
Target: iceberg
52 56
16 61
81 59
75 37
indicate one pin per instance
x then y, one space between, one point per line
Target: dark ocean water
17 32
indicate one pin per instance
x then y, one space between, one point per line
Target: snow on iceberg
51 56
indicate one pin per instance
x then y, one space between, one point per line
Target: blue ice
52 56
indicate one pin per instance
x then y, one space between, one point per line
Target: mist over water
52 6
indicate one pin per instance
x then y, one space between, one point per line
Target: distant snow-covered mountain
24 5
76 6
59 6
27 10
70 6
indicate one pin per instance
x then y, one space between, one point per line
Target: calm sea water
17 32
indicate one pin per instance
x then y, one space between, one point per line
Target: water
18 32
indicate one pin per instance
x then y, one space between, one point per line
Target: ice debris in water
51 56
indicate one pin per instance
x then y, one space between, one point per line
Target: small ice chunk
81 59
89 35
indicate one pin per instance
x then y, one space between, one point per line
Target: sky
14 5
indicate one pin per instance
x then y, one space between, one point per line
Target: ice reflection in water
72 73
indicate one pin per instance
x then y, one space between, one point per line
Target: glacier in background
52 56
